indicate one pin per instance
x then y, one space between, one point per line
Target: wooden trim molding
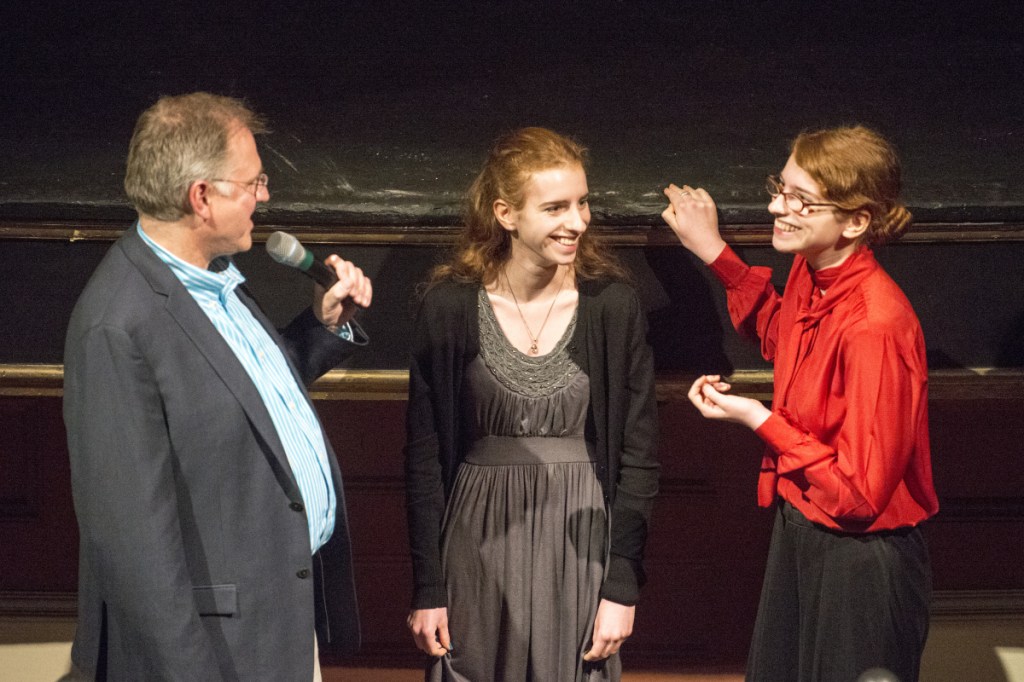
31 380
621 235
958 605
38 604
393 384
947 605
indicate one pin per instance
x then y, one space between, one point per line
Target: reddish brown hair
484 246
857 169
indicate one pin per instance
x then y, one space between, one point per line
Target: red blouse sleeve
752 300
884 388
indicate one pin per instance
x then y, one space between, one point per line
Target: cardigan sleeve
752 301
885 389
423 476
637 483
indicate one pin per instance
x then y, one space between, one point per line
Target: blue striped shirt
296 423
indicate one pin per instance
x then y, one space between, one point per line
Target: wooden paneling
38 533
705 553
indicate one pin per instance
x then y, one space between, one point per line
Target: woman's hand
692 215
613 624
709 395
430 630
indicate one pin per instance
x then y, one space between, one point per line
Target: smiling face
554 215
233 202
824 236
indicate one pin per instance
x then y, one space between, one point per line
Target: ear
505 214
857 224
199 198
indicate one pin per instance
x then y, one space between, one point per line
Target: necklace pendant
533 348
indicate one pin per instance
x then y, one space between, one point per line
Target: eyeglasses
261 181
794 202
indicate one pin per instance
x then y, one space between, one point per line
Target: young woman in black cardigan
531 460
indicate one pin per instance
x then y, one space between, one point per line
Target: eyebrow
801 190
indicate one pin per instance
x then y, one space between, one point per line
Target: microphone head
286 249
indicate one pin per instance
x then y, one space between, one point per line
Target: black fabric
836 604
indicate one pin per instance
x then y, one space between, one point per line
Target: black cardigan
610 345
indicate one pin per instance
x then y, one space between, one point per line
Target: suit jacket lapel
208 341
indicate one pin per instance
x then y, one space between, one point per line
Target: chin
783 245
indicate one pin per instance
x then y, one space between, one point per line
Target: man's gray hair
177 141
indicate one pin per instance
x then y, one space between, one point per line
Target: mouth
785 228
566 241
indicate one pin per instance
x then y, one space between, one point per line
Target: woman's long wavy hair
484 246
857 169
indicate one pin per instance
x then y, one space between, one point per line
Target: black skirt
834 604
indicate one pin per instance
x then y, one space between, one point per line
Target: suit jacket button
303 573
296 506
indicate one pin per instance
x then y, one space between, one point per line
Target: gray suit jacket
194 550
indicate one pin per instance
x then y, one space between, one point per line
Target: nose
777 206
578 218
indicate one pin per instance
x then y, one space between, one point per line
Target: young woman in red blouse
848 582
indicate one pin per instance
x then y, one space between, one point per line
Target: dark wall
969 297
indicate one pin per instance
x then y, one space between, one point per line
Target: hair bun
892 225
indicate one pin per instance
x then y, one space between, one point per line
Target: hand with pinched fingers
709 394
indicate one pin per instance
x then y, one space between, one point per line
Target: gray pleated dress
526 532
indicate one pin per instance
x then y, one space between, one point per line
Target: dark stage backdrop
382 111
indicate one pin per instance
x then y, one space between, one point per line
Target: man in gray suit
209 502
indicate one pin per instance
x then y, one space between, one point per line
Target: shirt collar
847 277
219 280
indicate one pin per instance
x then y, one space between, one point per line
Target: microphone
287 250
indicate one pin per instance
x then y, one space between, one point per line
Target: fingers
352 282
430 631
612 626
669 216
706 392
693 217
443 637
697 388
687 195
602 648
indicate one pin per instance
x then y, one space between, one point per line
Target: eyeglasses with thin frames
261 181
794 202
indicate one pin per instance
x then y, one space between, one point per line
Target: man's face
233 200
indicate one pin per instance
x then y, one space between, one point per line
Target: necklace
529 332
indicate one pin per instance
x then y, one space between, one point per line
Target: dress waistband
514 450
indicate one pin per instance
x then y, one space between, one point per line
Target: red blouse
848 435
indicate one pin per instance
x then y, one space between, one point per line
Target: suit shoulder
115 294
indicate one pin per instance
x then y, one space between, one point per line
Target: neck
832 257
178 237
530 282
